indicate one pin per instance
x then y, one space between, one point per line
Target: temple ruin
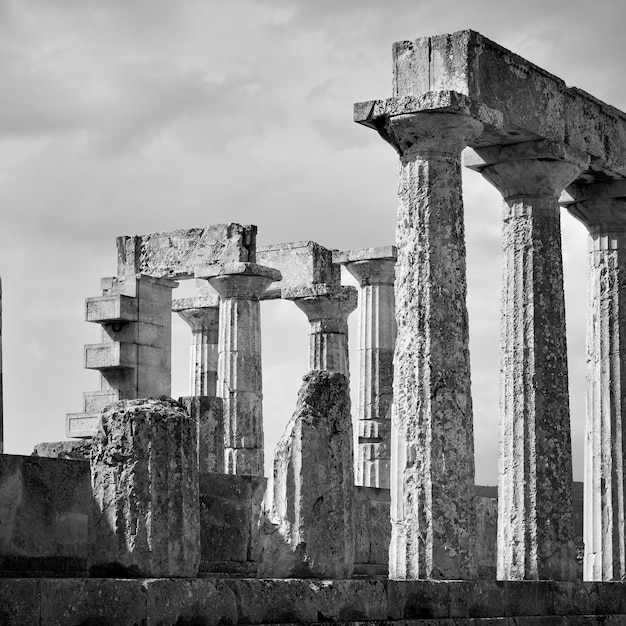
156 511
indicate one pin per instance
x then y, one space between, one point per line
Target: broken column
307 527
601 207
239 382
327 308
432 457
144 475
535 532
134 356
374 268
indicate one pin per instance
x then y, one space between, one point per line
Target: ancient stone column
327 308
535 532
432 456
602 208
203 322
144 475
374 268
239 380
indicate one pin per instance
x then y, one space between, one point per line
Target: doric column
432 456
204 322
374 268
535 533
602 208
239 380
327 308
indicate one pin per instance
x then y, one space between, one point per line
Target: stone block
177 253
208 413
19 602
114 355
114 308
96 401
480 599
44 508
81 601
307 527
372 530
81 424
200 601
145 489
530 597
301 263
410 599
72 449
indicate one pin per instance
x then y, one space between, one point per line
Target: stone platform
104 601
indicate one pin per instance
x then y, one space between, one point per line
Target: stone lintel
237 269
534 103
128 285
374 112
197 302
341 257
301 263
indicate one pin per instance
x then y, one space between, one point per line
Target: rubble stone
307 527
145 489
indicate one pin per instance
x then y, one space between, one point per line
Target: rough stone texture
44 508
374 268
432 461
178 602
74 449
101 602
301 263
145 488
208 414
230 507
542 105
17 607
327 308
602 208
486 537
239 378
372 531
134 356
307 528
178 253
203 322
535 532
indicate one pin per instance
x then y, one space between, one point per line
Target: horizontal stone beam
534 104
177 253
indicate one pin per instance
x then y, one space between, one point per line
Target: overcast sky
128 117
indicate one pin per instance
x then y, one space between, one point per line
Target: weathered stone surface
44 508
533 102
74 449
201 601
301 263
327 308
602 208
239 377
372 531
230 507
203 322
374 268
208 414
82 601
432 460
535 532
145 488
19 602
178 253
486 537
307 528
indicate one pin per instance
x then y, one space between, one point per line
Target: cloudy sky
121 118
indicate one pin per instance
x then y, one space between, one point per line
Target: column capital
246 281
198 318
529 168
370 266
601 207
437 122
326 306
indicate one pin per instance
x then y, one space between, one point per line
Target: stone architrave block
145 489
177 253
307 526
301 263
208 414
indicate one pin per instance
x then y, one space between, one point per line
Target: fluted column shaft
432 458
327 309
602 208
377 338
204 322
239 378
535 532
